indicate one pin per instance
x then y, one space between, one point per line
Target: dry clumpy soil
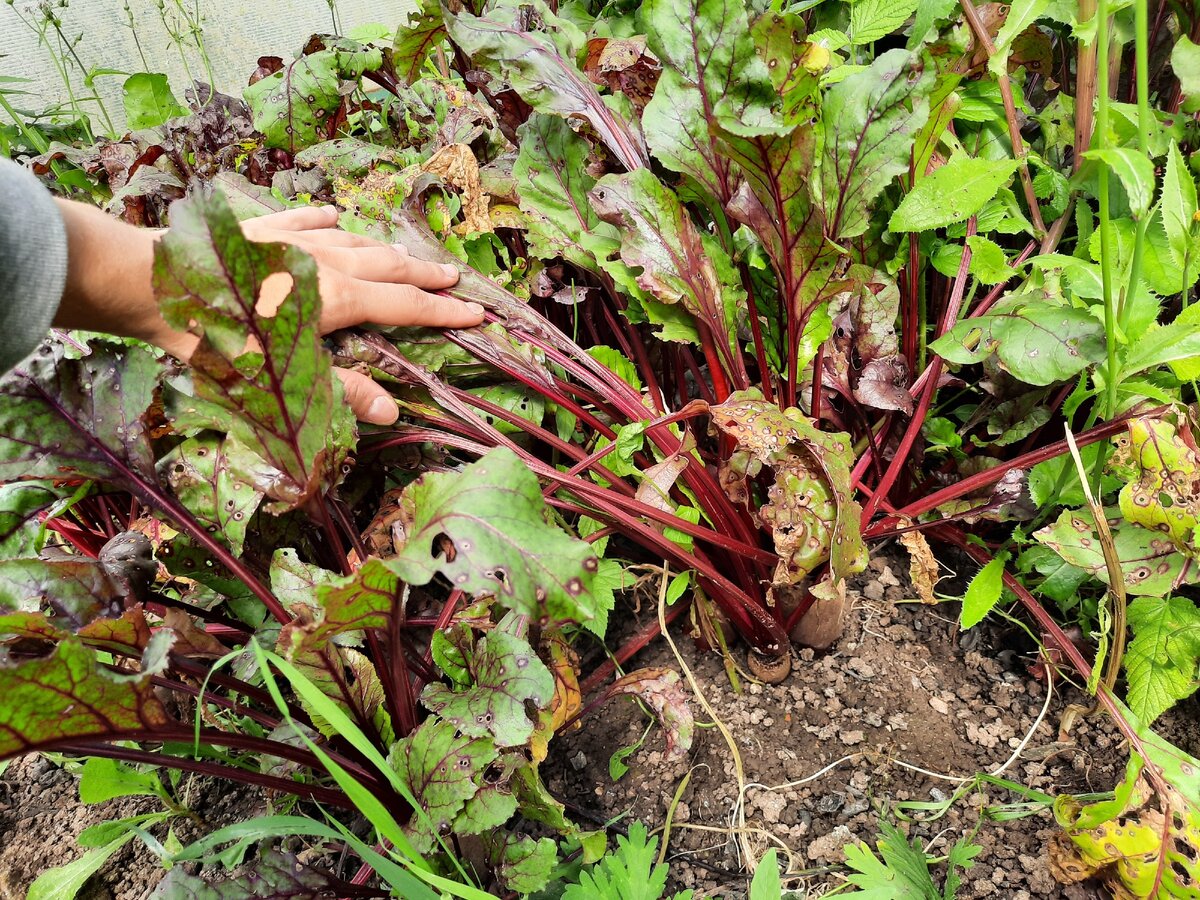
903 685
41 816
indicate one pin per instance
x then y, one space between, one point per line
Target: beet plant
763 286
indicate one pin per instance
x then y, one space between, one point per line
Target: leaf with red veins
201 472
68 696
505 675
79 418
72 591
279 400
443 769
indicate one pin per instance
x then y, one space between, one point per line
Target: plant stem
1142 56
1107 261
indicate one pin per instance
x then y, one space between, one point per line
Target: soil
903 688
826 753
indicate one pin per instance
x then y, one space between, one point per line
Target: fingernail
382 411
475 309
450 269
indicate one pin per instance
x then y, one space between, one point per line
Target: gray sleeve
33 262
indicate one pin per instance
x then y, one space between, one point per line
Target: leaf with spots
1036 341
809 509
661 690
1165 497
1162 659
68 696
72 592
423 30
443 769
524 864
1150 562
294 106
279 399
505 674
200 471
270 873
64 418
484 529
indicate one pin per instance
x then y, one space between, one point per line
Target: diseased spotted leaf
1036 341
953 193
484 530
72 591
870 119
1150 561
1021 16
271 873
67 696
201 472
280 399
1162 660
293 107
505 675
540 66
416 38
1165 497
295 581
443 769
524 864
712 78
78 418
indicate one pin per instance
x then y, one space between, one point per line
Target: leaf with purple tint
443 769
271 873
78 418
870 120
423 30
661 690
484 529
679 265
201 472
279 400
505 675
534 51
523 864
68 696
712 78
863 359
293 107
72 591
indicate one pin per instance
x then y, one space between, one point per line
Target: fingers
303 218
350 301
370 402
381 262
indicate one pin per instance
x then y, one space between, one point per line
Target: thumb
370 402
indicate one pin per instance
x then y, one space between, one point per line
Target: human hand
110 267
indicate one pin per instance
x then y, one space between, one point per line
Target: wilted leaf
661 690
72 591
293 107
483 529
625 65
504 675
456 165
922 565
953 193
277 396
1036 341
810 509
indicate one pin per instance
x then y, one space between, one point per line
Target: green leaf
416 38
1037 342
627 873
65 882
1179 207
869 121
765 884
523 863
294 106
1185 61
1161 660
983 593
1163 345
84 418
871 20
1188 369
505 675
484 529
279 402
711 79
989 265
1150 563
540 66
103 779
271 873
901 874
1135 172
1021 15
148 100
953 193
